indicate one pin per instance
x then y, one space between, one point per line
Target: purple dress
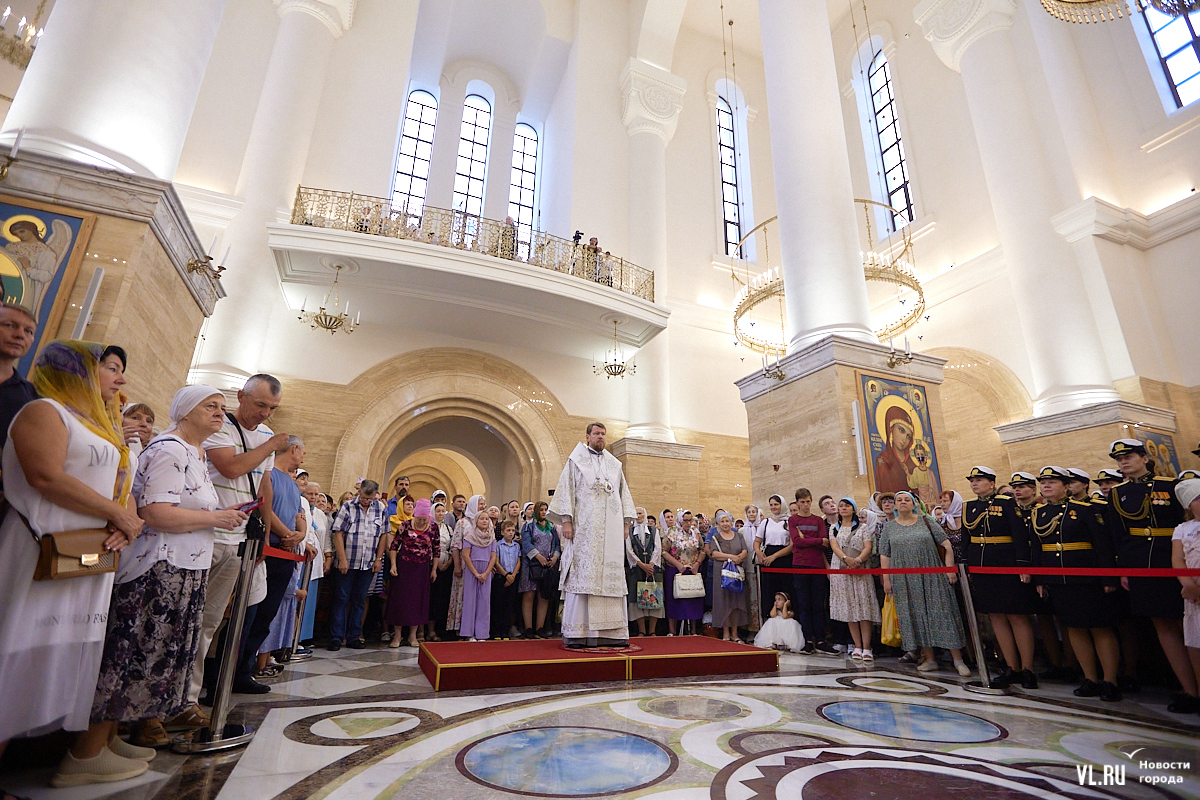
684 547
408 592
477 597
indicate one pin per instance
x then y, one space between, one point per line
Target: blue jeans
349 598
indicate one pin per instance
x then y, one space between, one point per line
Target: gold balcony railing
347 211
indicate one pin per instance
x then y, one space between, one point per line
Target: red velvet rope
1080 571
275 552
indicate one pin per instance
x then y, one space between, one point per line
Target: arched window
416 148
1177 45
471 171
731 206
893 179
522 188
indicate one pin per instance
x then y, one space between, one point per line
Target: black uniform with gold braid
998 537
1073 534
1143 514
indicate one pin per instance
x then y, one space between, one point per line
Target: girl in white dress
780 631
66 467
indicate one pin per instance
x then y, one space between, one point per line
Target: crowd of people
135 642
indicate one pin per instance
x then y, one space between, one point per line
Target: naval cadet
1143 513
1070 532
999 538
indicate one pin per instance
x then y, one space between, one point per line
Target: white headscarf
777 517
472 510
955 510
187 399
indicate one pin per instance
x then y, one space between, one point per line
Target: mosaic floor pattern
822 729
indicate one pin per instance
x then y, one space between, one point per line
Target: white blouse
170 471
772 533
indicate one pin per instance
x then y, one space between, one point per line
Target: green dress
925 604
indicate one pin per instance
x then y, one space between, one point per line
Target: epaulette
1165 480
1079 502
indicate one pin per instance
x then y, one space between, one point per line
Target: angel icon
37 255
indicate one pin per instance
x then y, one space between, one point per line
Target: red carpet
538 662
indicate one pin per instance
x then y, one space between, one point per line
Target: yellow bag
889 632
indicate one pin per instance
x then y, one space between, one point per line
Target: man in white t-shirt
233 468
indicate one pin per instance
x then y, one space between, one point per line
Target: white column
652 100
440 190
826 292
271 170
114 82
1067 361
499 168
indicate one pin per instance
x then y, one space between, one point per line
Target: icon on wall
903 456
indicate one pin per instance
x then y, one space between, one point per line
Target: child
1185 554
478 560
504 584
780 632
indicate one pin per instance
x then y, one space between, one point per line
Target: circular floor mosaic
906 721
566 762
693 708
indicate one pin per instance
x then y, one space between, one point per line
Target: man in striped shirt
357 529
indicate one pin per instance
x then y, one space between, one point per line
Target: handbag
649 595
688 585
733 578
256 528
889 631
547 585
72 554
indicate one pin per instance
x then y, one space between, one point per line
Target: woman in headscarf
852 597
157 605
643 554
541 548
729 606
475 506
479 560
66 467
412 558
754 520
949 515
443 583
771 544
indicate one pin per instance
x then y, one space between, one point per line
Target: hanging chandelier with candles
614 365
17 47
328 317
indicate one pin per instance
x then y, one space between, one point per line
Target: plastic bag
889 632
649 595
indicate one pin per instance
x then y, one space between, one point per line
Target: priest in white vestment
594 509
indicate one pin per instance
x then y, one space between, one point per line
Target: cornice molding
119 194
651 99
206 207
952 26
1096 217
337 18
656 449
1094 416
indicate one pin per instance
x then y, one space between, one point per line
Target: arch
442 468
415 389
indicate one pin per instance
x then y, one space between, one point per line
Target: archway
483 394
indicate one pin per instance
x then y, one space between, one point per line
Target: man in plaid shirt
357 529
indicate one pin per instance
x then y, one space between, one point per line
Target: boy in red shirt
809 538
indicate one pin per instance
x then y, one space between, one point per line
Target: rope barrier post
220 735
984 684
305 580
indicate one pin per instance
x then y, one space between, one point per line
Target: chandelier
614 365
335 320
18 48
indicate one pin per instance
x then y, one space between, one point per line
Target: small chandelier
614 365
18 48
335 320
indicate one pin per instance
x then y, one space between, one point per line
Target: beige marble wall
142 306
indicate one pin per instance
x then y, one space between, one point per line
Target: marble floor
358 725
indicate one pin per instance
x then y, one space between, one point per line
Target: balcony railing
347 211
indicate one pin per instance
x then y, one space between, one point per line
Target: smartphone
246 508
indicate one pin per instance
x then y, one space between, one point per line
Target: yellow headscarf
400 517
68 370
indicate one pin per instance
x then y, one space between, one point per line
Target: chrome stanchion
220 735
305 579
984 684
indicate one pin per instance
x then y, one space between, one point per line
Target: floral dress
852 597
454 615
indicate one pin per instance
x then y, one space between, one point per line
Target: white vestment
593 496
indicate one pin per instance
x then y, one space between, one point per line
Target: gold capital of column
952 26
336 15
651 99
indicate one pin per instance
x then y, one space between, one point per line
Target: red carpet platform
538 662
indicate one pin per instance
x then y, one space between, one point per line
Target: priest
594 509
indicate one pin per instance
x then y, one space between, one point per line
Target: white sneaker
126 750
929 665
106 767
963 669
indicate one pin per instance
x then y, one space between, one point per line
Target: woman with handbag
643 551
729 553
925 604
852 597
540 547
683 584
67 471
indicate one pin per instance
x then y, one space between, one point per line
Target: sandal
269 671
395 645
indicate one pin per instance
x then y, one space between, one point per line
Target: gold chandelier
614 365
894 267
330 320
18 48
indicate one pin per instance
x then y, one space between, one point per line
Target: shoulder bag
70 554
256 528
